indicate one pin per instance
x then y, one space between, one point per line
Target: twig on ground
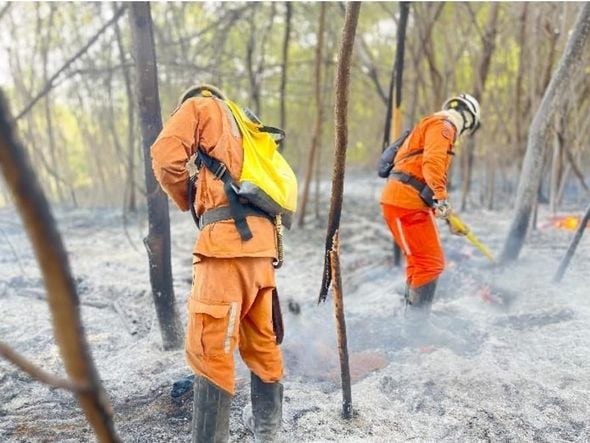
37 373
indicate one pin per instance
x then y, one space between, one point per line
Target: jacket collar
454 117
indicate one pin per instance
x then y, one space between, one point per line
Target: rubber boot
416 330
265 418
422 296
211 409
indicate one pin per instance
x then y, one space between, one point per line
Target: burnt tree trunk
62 297
332 257
341 136
530 177
341 329
393 118
157 242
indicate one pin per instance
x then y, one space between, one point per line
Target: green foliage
208 42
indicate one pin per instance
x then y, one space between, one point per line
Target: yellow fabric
263 165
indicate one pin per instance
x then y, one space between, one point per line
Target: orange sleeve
174 146
438 140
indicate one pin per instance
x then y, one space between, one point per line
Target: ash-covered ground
505 357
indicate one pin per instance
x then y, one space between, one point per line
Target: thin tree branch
230 16
5 9
49 85
39 374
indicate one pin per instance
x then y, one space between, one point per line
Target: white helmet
462 103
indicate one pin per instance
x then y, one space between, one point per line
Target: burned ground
505 357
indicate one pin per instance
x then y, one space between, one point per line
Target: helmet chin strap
458 119
467 122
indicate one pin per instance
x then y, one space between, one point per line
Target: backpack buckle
220 171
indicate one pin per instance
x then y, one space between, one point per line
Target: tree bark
341 329
60 286
393 117
317 133
393 122
341 135
530 176
158 240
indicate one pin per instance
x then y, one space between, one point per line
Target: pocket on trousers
416 218
211 327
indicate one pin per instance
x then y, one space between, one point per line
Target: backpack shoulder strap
237 209
279 133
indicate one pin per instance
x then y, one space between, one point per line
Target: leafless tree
530 177
158 240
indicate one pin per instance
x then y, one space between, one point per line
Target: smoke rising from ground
503 358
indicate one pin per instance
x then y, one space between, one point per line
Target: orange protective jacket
207 123
435 135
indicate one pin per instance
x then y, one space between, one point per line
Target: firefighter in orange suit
230 305
419 173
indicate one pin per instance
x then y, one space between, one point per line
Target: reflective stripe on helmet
470 104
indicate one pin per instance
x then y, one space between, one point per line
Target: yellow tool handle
461 227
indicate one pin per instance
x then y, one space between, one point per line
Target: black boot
210 412
416 330
267 409
422 296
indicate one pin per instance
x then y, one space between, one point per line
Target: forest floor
505 357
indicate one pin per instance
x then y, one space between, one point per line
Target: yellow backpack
267 186
267 181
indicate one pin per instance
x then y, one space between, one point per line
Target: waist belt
224 213
424 191
408 180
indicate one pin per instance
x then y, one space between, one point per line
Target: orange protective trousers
231 306
416 233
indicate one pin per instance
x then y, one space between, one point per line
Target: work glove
442 209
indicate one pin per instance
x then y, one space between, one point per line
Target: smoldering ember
289 221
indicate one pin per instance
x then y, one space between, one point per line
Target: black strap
408 180
424 191
273 130
277 317
236 207
224 213
191 198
